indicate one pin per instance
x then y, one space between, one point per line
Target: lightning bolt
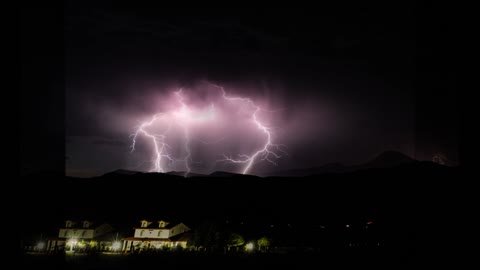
185 111
268 151
158 141
184 116
160 147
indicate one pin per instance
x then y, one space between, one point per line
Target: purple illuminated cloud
208 126
201 128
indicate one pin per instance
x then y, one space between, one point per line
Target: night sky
348 82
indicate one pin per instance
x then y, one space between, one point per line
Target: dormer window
86 224
68 224
162 224
144 223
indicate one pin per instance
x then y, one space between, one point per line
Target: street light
72 243
116 245
249 246
40 245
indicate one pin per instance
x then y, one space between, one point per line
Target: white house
81 235
156 235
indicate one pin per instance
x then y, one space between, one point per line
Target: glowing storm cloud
171 134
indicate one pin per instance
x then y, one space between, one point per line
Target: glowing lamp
72 243
116 245
40 245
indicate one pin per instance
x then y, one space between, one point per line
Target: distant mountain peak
389 159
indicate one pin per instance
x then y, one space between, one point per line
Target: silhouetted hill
190 174
387 159
121 172
328 168
151 190
230 174
350 194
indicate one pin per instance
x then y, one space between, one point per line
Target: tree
263 243
235 240
207 235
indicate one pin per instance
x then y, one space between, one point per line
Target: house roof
78 224
168 227
155 224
